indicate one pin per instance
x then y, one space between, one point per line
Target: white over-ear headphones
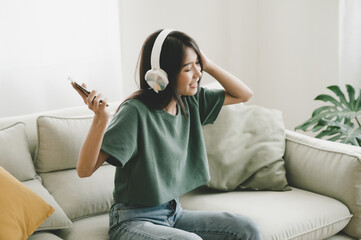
156 77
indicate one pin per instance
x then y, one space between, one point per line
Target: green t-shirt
160 156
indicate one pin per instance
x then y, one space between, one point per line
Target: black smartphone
78 86
81 88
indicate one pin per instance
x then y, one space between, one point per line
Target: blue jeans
170 221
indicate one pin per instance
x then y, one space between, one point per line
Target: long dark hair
171 61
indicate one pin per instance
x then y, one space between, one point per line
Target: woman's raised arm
236 90
91 157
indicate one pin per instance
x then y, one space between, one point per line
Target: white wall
286 51
298 55
209 22
42 42
350 38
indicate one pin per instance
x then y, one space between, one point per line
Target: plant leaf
336 121
345 133
336 89
351 96
327 98
358 102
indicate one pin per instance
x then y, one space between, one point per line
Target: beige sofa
325 177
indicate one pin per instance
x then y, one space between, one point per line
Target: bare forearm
90 150
232 84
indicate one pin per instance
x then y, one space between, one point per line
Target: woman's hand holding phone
95 101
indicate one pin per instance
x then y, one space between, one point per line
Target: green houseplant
339 121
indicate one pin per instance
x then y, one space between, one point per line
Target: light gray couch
324 203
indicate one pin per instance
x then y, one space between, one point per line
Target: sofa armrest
328 168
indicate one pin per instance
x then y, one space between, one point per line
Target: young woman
155 141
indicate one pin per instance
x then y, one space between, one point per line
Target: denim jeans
170 221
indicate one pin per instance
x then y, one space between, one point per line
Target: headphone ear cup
157 79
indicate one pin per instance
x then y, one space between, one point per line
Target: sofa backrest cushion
59 142
30 121
15 158
245 147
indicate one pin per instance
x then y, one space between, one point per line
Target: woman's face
188 77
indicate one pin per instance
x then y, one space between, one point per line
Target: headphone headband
157 48
156 77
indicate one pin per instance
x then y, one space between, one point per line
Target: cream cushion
15 156
93 228
58 219
59 142
328 168
298 214
16 159
44 236
82 197
245 148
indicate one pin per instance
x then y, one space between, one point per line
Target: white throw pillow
245 147
59 142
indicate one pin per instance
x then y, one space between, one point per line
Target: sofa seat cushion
93 228
295 214
44 236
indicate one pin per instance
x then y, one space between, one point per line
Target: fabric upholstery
82 197
328 168
296 214
94 228
16 159
44 236
58 219
15 156
59 142
245 148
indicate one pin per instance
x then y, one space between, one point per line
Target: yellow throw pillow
22 210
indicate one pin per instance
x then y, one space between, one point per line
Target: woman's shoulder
133 105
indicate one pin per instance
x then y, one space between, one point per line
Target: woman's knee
249 228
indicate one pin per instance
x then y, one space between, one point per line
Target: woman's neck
172 107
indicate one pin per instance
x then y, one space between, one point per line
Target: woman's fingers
103 103
90 99
95 99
